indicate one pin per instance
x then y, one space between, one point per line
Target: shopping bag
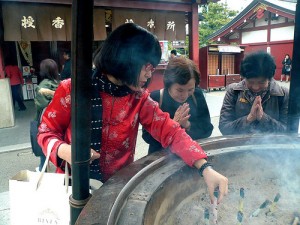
46 204
38 198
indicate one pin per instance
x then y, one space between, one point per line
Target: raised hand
182 115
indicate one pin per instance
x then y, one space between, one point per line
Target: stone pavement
15 148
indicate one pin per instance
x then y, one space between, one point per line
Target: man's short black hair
68 52
258 64
174 52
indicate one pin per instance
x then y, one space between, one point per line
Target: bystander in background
173 54
66 71
286 68
13 72
45 92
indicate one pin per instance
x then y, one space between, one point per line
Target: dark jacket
287 63
201 126
66 72
236 108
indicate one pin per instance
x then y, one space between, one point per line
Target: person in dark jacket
257 104
286 68
66 72
183 100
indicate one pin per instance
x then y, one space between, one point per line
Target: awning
42 22
165 25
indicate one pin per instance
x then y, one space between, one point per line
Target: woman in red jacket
119 103
13 72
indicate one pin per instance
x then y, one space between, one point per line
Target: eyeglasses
149 68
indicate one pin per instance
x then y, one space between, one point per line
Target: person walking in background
66 71
257 104
120 102
13 72
286 69
173 54
183 100
45 92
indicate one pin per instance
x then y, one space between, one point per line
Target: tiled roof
288 7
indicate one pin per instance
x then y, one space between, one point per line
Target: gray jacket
236 107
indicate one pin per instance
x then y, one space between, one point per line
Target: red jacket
121 118
14 74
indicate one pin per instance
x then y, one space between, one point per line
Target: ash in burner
270 193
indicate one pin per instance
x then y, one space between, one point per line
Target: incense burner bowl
162 189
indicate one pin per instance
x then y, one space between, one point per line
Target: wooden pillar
81 51
194 34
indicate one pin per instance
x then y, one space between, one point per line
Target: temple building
263 25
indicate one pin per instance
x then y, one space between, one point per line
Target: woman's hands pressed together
182 115
257 111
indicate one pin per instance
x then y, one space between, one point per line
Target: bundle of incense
273 205
240 217
214 207
262 206
241 201
206 216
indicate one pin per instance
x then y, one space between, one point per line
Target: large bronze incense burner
263 177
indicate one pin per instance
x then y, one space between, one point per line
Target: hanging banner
25 48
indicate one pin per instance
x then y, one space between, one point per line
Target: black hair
174 52
11 61
258 64
125 51
68 52
49 69
180 70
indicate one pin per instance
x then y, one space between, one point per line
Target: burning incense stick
262 206
241 206
273 205
296 221
241 201
206 216
240 217
214 207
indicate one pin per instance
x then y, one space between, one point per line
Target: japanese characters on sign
129 21
170 24
58 22
27 22
150 24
